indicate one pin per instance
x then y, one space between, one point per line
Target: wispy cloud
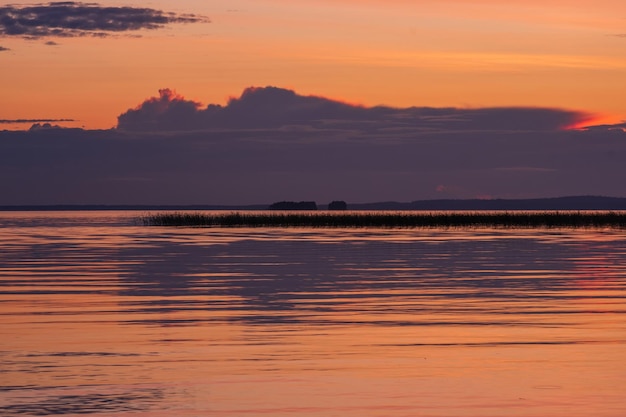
16 121
75 19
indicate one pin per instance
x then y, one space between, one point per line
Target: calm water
101 316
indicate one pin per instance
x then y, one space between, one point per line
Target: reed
546 219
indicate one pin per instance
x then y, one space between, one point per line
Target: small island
338 205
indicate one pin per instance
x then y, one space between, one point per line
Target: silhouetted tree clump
294 205
338 205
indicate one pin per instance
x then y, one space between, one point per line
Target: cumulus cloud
272 107
48 126
268 107
73 19
169 111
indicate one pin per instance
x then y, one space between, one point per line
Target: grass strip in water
393 220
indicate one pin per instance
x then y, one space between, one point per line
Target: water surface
101 315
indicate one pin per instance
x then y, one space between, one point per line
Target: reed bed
394 220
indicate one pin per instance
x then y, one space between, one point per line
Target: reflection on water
91 403
102 316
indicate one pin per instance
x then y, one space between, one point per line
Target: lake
103 316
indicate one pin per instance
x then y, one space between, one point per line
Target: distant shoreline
538 204
121 207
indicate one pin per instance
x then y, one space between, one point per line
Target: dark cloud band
272 144
17 121
74 19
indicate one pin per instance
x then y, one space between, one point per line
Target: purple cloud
16 121
273 107
74 19
272 144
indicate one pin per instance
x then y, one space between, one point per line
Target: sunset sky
469 53
81 65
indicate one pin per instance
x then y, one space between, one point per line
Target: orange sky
568 54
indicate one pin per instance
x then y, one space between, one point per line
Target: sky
371 100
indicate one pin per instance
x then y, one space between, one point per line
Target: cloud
2 49
17 121
611 127
271 144
45 126
51 43
525 169
272 107
169 111
268 107
75 19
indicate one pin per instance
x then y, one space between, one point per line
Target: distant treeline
393 220
294 205
306 205
557 203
